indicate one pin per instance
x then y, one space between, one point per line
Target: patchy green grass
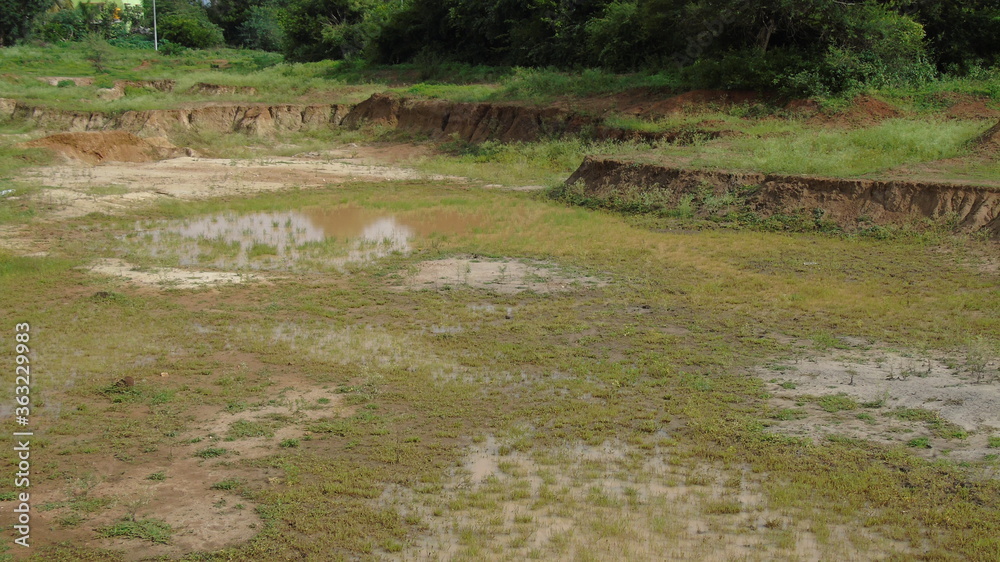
211 452
843 153
657 360
228 484
148 529
274 81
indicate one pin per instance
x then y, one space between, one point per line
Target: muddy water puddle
310 238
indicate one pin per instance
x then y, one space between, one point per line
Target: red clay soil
479 122
119 146
695 101
988 143
968 107
257 119
844 201
806 108
864 111
218 90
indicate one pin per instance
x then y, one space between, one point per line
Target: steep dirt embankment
117 146
843 201
479 122
227 118
471 122
988 143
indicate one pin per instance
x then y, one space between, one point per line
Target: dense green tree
960 35
260 28
184 22
249 23
418 27
16 17
333 29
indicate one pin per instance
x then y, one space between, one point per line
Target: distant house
98 2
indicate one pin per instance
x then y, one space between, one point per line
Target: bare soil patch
864 111
83 190
165 277
890 397
500 275
969 108
55 80
180 484
203 88
602 502
988 144
118 91
114 146
696 101
508 122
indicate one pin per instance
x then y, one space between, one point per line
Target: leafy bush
191 31
333 29
17 17
133 42
64 25
260 30
615 39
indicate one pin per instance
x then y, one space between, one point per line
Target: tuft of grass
260 249
837 402
787 414
228 484
243 429
158 476
150 529
211 452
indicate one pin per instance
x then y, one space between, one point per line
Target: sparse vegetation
355 413
147 528
211 452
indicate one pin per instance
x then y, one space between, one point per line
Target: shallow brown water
269 240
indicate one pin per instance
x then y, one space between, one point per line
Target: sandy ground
608 488
203 519
894 380
165 277
78 190
503 276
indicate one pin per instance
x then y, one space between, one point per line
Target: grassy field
655 367
474 373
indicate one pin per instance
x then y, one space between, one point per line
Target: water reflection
268 240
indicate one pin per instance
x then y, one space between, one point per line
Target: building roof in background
119 2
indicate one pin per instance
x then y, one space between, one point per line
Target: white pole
156 41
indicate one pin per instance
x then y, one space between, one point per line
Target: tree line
803 46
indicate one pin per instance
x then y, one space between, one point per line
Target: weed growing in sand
244 429
147 528
836 403
228 484
211 452
979 356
